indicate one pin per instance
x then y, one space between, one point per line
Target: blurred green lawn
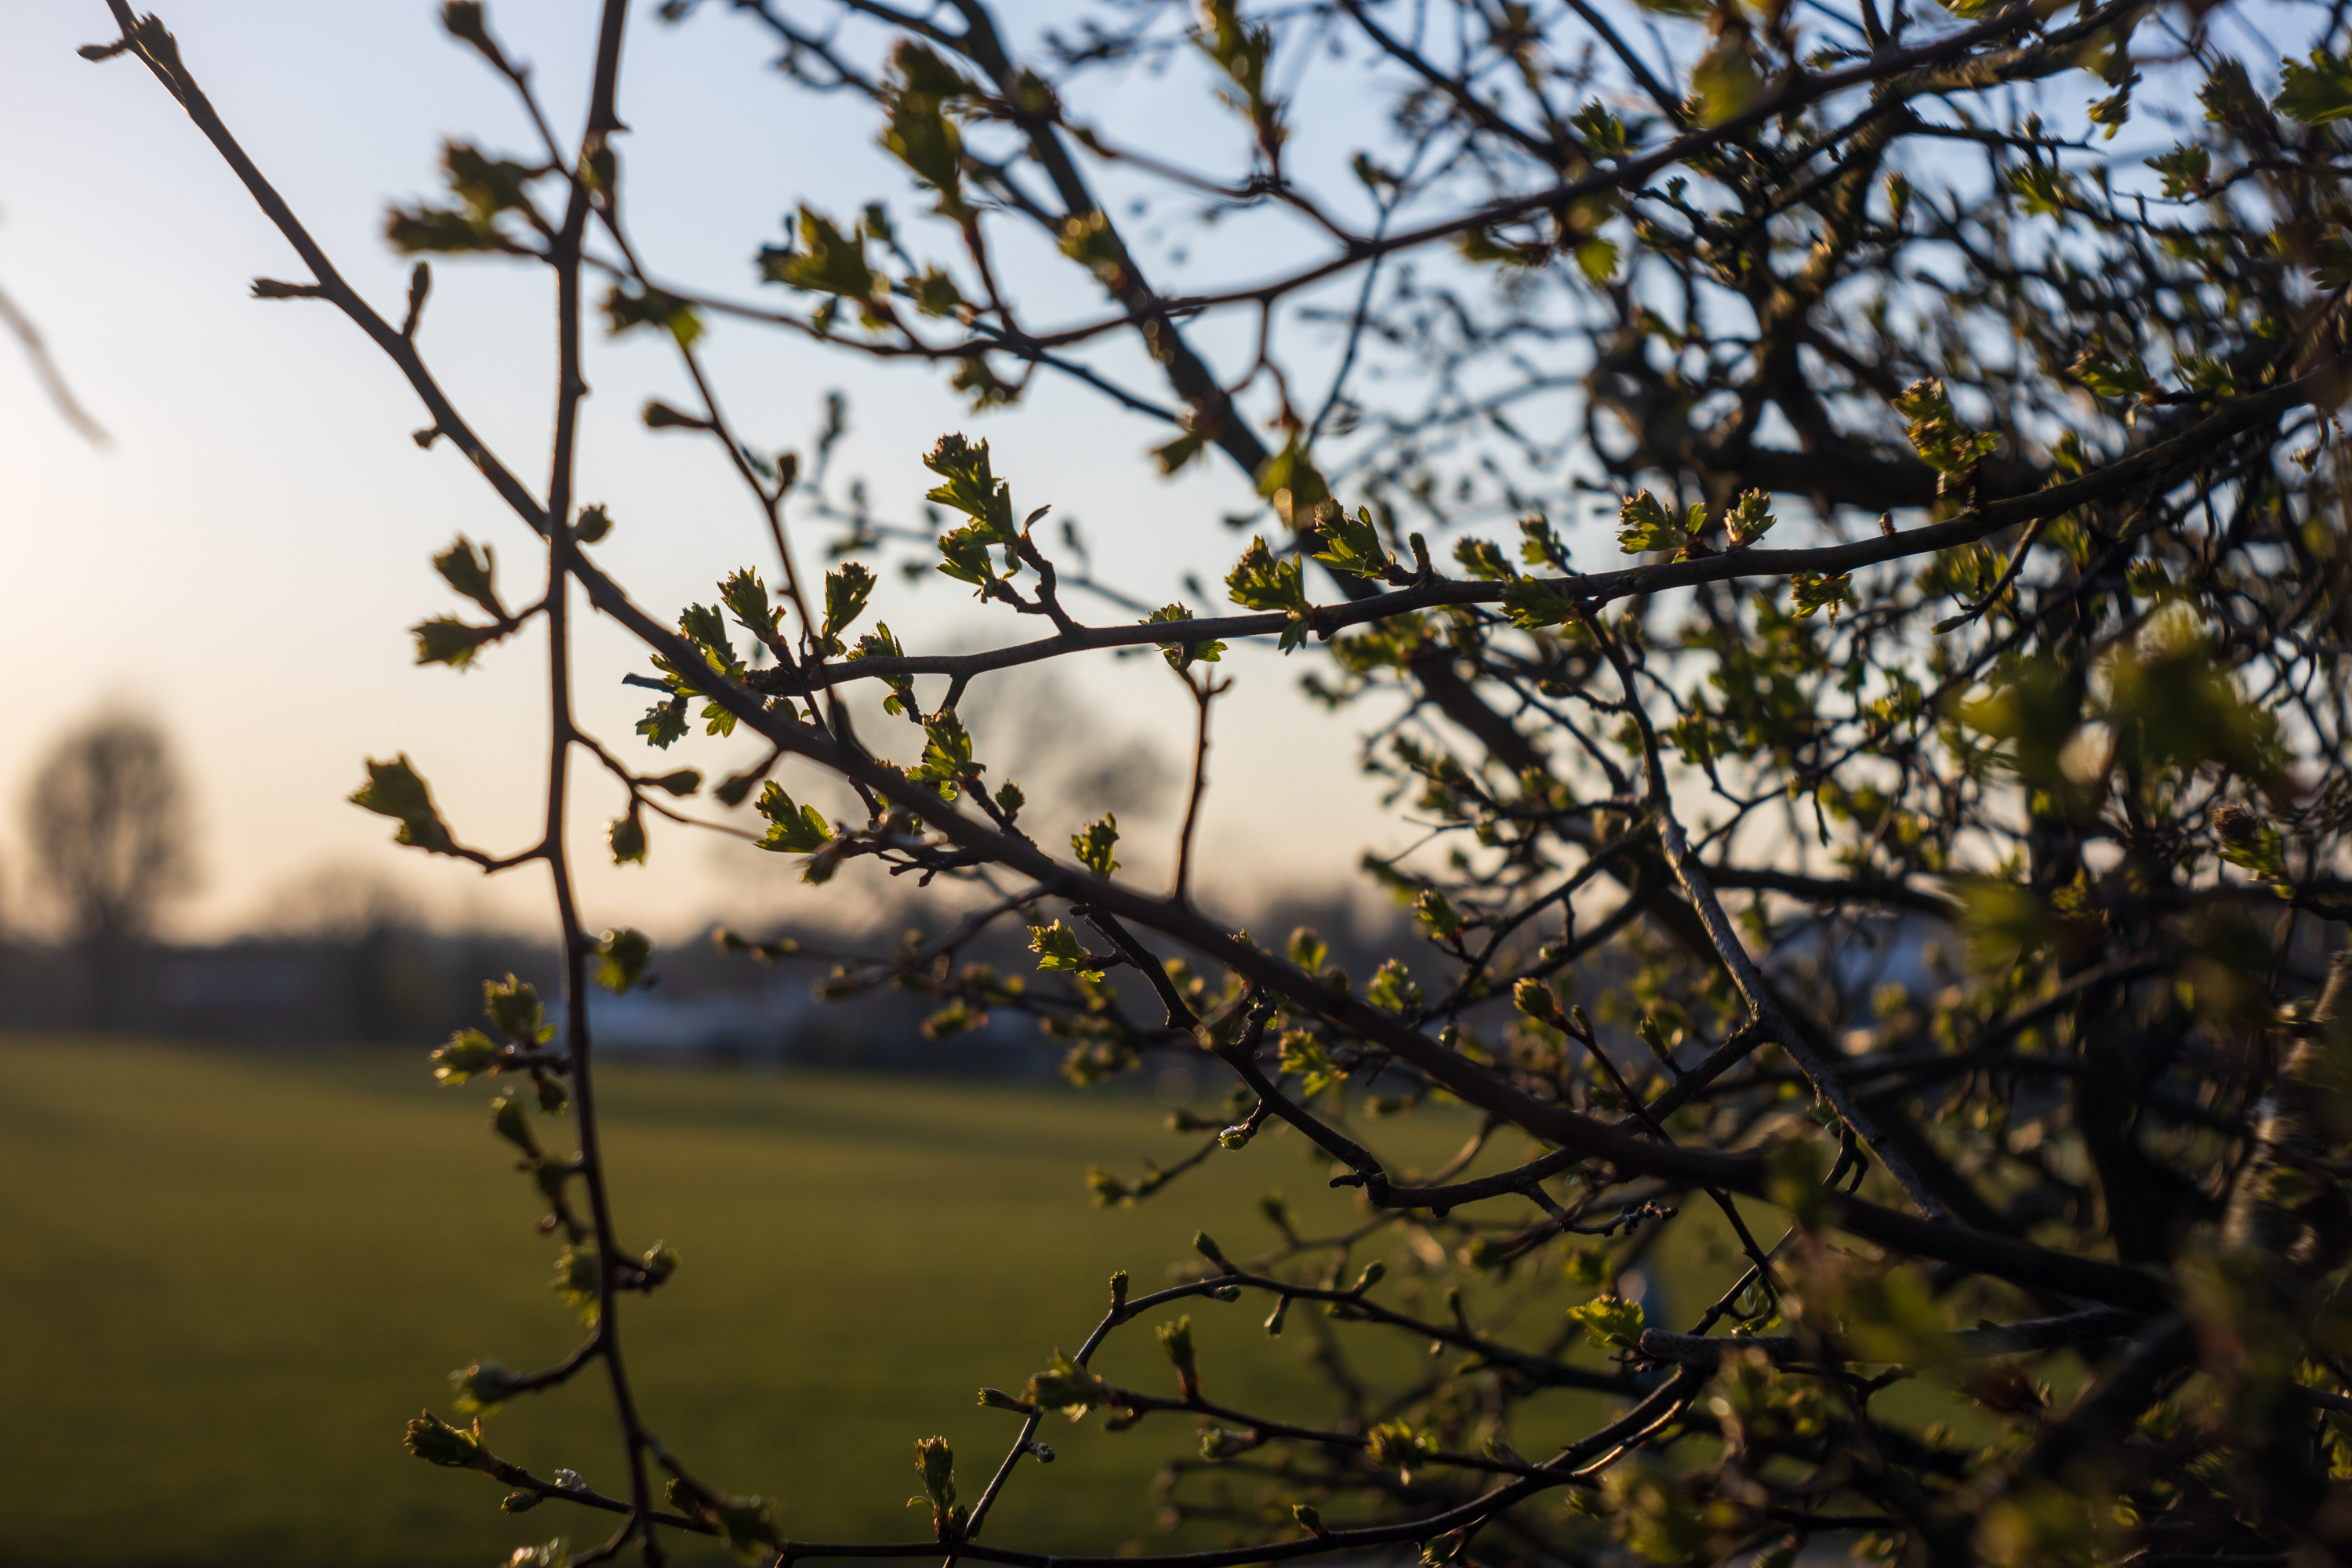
228 1280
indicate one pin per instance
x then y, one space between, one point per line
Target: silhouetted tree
109 829
2047 656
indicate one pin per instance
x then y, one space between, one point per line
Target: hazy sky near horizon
243 558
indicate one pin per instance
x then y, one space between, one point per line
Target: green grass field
228 1279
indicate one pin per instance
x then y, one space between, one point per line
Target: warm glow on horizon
242 560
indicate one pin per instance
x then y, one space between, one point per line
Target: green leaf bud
947 761
1643 524
463 19
846 589
1936 433
1370 1276
394 789
1176 1339
660 416
972 488
1261 581
1396 1443
514 1006
1094 844
1532 603
436 1442
1482 559
520 1503
1218 1445
793 828
481 1387
747 1525
1208 1249
1750 519
1350 544
552 1096
1611 1323
936 1462
1659 1034
659 1262
508 1120
1533 998
733 789
663 722
1058 947
707 626
1106 1189
828 261
1436 914
576 1275
997 1399
1811 592
1309 1518
621 958
470 1051
744 594
626 836
471 574
964 555
1180 654
1393 987
444 639
1066 1386
626 308
1118 1289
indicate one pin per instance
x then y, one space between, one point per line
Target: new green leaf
1611 1323
793 828
1260 581
396 789
846 589
1058 947
622 956
1094 844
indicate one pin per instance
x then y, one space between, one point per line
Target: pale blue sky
243 559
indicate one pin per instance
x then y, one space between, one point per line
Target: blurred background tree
111 827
